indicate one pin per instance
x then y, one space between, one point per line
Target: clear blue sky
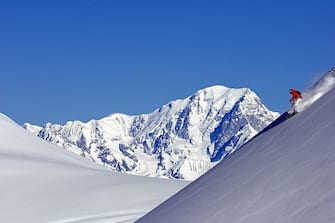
67 60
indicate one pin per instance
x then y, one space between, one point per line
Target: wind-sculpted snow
182 139
321 87
41 182
286 174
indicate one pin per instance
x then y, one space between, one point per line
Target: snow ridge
182 139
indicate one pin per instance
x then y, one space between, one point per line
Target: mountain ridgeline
182 139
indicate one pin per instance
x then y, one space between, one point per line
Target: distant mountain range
182 139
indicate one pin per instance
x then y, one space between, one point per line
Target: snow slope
182 139
286 174
41 182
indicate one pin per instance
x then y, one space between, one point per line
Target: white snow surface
41 182
286 174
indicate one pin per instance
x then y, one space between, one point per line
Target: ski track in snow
119 217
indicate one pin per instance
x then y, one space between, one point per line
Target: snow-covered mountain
182 139
41 182
286 174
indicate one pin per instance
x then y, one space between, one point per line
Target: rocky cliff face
182 139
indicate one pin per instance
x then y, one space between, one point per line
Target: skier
295 95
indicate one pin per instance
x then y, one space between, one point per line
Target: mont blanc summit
182 139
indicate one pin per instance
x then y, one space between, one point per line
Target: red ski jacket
295 95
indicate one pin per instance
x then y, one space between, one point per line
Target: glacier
183 139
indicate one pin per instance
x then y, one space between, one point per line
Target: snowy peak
182 139
219 92
218 96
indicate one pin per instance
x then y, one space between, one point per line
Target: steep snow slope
284 175
41 182
182 139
